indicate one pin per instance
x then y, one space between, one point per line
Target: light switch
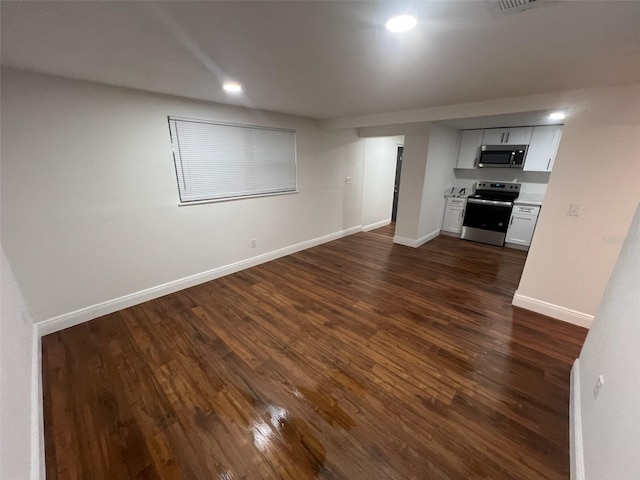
575 209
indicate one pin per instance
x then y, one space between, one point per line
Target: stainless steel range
488 212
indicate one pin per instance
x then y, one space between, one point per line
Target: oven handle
490 202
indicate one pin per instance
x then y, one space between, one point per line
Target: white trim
373 226
428 237
551 310
37 412
575 425
410 242
407 242
82 315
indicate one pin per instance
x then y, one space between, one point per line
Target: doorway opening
381 186
396 186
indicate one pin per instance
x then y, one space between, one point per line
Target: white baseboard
575 425
373 226
407 242
70 319
551 310
37 412
428 237
410 242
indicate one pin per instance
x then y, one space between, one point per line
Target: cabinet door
453 219
518 136
543 148
470 142
494 136
507 136
521 229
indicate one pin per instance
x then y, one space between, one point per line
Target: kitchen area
500 178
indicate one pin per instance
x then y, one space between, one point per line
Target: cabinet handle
502 138
508 133
548 164
511 221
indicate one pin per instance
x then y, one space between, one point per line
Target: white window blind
216 161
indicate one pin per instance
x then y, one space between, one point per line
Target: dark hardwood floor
386 231
357 359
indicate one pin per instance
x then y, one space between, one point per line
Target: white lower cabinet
453 215
522 224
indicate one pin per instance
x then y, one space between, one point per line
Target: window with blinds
221 161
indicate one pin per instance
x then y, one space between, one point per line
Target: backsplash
532 182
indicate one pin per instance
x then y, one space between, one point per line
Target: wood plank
355 359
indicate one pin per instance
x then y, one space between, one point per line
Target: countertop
534 199
456 193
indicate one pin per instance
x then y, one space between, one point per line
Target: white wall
379 178
430 152
598 166
16 349
90 203
414 164
441 158
611 421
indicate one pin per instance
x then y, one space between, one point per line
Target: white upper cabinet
542 148
470 143
507 136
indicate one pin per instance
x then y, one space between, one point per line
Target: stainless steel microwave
502 156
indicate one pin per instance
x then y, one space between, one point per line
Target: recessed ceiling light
232 87
402 23
557 116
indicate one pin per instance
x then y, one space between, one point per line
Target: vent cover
517 5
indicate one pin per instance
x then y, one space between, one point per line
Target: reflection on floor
386 231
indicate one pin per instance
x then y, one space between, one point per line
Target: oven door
486 221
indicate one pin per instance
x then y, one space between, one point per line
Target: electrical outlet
253 243
599 384
347 180
575 209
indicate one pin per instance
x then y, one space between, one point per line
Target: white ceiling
328 59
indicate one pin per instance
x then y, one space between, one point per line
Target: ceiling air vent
517 5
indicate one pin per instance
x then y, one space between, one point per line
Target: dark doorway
396 185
